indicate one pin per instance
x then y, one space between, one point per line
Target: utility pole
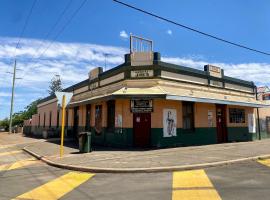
12 95
12 98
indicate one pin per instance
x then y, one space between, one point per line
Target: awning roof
205 96
174 93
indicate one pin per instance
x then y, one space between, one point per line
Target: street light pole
12 98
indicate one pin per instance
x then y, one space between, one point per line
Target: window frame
88 117
44 119
186 115
50 118
237 116
111 115
58 117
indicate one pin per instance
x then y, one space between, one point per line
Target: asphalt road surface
23 177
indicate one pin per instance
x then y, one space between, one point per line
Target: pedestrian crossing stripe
10 153
265 162
193 185
58 187
18 164
5 146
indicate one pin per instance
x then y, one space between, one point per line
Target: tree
19 117
4 123
55 85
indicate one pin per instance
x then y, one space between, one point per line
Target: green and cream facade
154 104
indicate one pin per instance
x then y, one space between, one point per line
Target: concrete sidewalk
119 160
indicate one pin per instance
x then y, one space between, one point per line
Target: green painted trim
199 136
239 134
157 66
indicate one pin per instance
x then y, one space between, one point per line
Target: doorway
141 129
221 123
75 122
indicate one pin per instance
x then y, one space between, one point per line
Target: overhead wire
192 29
60 32
25 25
51 30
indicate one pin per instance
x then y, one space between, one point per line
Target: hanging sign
141 105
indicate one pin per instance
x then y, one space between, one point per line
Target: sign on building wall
141 105
93 85
95 72
251 123
210 118
213 70
141 73
169 122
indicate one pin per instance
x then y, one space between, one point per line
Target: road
23 177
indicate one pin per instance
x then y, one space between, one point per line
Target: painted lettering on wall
141 73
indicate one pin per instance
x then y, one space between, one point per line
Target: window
38 120
237 115
88 116
188 116
66 118
266 96
44 122
110 114
50 122
57 123
98 119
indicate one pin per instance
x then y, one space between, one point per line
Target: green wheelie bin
85 142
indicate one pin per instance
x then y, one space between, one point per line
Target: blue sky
102 26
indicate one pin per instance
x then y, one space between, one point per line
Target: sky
102 27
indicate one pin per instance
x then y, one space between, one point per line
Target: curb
142 170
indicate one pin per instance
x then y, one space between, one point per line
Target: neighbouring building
146 102
264 113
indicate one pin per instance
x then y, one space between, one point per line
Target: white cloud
5 94
123 34
256 72
169 32
72 61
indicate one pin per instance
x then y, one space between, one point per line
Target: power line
191 29
52 29
25 25
60 31
63 28
54 26
14 68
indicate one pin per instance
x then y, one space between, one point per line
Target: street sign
60 95
63 99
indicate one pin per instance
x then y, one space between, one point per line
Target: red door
221 123
142 129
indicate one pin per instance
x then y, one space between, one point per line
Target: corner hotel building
146 102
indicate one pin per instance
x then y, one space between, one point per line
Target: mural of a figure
169 122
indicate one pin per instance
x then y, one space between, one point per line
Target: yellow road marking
18 164
57 188
265 162
5 146
10 152
193 185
